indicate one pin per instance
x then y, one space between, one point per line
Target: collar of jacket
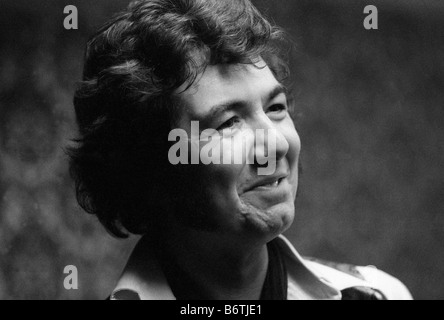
307 280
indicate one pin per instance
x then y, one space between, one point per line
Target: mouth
273 184
267 184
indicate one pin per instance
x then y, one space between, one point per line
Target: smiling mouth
267 186
273 184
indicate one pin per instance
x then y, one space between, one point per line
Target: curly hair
126 101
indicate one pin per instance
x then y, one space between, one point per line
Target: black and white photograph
229 150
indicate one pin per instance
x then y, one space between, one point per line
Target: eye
276 108
229 124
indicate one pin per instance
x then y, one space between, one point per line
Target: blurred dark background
370 112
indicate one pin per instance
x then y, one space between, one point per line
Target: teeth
274 184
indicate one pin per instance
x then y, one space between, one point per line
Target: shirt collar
307 280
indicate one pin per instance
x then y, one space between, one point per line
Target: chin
270 223
284 217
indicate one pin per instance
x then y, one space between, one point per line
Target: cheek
219 180
227 159
223 177
211 189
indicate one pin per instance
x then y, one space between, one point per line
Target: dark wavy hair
125 104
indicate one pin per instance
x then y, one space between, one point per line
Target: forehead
223 83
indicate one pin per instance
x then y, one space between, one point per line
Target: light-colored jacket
307 279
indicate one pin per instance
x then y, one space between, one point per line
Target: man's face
233 199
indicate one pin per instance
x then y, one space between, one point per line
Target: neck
217 266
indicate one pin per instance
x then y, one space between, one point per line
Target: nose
270 144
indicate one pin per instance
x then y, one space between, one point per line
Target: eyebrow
235 104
